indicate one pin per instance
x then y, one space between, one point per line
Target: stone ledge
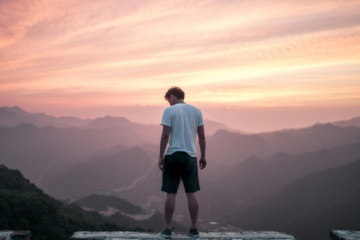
344 235
10 234
244 235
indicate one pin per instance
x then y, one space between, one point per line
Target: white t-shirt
184 119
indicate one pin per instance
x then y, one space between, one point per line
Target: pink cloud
56 50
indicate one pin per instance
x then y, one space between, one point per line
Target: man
181 123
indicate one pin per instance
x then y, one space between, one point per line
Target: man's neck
179 101
175 100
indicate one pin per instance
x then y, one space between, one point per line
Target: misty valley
102 174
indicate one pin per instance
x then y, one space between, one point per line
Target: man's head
174 92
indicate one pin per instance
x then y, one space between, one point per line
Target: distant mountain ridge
229 148
109 122
347 123
309 139
15 116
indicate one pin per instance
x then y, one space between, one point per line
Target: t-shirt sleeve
201 119
166 118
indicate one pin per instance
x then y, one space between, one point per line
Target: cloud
79 49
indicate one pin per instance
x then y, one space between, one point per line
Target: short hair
176 92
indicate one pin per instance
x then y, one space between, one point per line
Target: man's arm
202 144
163 142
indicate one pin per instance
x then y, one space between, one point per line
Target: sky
254 65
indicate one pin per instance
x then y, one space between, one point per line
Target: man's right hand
161 163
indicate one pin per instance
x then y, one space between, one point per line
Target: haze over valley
259 181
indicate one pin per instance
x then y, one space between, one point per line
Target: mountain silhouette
229 148
297 141
110 122
290 167
106 172
254 179
15 116
355 122
309 207
238 187
36 150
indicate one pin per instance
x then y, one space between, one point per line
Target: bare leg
169 209
193 205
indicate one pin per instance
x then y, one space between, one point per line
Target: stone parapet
344 235
243 235
14 235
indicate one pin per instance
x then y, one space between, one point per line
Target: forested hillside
25 207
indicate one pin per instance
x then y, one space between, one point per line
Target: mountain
15 116
150 132
120 210
212 127
309 207
290 167
225 189
25 207
144 133
297 141
36 150
229 148
103 172
44 153
238 187
347 123
111 122
254 179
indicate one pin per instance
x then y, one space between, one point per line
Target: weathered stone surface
5 234
245 235
344 235
18 235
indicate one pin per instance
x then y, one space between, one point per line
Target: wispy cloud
121 52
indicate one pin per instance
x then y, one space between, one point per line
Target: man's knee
191 195
171 195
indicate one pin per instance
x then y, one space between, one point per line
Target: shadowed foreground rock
245 235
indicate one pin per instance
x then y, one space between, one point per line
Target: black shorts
180 165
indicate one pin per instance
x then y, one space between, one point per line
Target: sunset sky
251 64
